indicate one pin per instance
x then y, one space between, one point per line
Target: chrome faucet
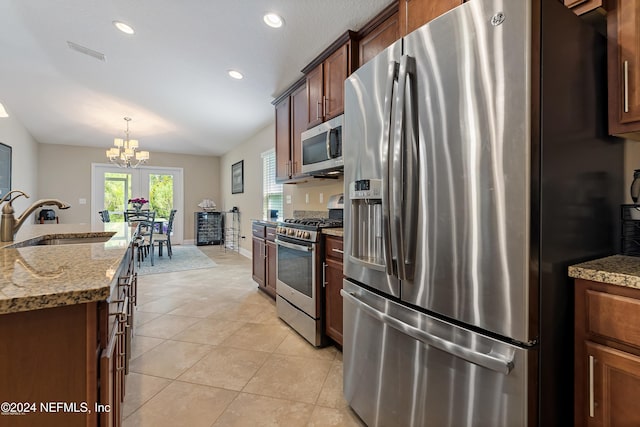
9 225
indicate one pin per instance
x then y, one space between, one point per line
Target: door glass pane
117 190
295 269
161 194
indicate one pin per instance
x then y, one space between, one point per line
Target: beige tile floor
209 350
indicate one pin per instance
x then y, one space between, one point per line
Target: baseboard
246 253
189 242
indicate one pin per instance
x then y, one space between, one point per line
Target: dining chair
104 216
145 221
165 237
131 215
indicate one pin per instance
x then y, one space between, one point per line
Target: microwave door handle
328 143
405 170
392 76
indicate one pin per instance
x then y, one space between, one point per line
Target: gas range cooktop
306 229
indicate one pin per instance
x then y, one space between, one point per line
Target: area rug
185 257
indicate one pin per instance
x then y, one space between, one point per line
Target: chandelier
125 153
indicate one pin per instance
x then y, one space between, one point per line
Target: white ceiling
170 77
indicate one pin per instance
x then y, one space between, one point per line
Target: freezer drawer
405 368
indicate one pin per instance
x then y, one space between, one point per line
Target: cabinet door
315 113
333 310
416 13
258 255
271 269
299 120
110 382
379 39
283 139
614 387
335 73
623 28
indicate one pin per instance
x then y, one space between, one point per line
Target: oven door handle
294 246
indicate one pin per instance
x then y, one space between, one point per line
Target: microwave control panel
366 189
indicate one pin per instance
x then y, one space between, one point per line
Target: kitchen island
607 341
66 324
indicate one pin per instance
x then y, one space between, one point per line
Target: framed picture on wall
237 177
5 169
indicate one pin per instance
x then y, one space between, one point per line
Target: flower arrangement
138 202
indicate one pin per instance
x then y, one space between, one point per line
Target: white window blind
271 191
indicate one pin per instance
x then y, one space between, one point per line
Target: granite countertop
35 277
337 232
618 270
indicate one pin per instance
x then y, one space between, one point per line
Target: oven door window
295 268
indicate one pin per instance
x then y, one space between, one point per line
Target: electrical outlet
82 201
306 198
321 197
288 199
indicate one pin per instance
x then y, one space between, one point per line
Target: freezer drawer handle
488 361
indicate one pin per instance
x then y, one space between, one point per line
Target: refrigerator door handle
404 170
392 76
495 362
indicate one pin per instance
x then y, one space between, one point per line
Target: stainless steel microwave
322 148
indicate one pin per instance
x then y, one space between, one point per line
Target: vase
137 207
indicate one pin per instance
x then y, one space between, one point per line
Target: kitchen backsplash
306 197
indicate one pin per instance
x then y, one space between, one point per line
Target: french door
112 187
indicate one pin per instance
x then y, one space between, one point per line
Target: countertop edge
620 270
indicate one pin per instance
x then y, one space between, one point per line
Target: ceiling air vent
86 51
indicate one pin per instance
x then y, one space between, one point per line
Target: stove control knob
306 235
299 234
291 232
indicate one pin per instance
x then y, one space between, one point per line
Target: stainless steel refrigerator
477 168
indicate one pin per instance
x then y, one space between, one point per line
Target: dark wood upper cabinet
325 77
291 121
315 86
623 31
283 139
382 35
416 13
299 120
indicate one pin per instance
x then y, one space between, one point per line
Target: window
271 191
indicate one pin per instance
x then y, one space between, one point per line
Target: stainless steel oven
296 272
298 265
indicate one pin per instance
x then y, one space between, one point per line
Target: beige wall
65 173
248 203
24 170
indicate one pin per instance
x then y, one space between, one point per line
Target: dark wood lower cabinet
333 311
607 355
258 253
270 287
70 361
333 275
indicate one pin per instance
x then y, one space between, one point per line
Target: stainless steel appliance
298 264
476 171
322 148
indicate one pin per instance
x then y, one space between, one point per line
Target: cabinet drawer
333 248
258 230
613 316
271 233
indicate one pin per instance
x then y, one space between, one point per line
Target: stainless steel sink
71 240
95 237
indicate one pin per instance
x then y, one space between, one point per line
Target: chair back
172 215
104 216
131 215
146 224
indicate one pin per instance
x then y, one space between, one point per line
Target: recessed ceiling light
235 74
273 20
3 112
125 28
